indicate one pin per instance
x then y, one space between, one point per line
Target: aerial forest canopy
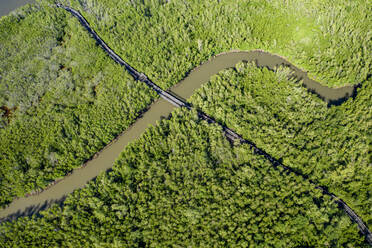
183 184
330 145
62 99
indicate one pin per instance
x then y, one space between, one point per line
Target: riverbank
185 88
101 161
257 62
332 95
77 108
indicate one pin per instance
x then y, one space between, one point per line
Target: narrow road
230 134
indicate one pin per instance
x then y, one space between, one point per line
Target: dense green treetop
165 39
62 99
183 184
68 99
330 145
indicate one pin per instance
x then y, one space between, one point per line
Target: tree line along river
104 159
160 108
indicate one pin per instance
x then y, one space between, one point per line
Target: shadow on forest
332 96
343 99
33 210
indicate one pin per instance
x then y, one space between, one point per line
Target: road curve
230 134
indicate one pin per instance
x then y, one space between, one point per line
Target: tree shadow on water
33 210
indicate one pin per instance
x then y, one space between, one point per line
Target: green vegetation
62 99
330 39
330 145
70 99
182 184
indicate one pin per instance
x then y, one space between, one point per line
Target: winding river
201 74
104 159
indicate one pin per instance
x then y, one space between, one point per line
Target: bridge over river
33 204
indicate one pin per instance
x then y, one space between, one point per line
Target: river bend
104 159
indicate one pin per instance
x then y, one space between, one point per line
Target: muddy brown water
262 59
6 6
104 160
